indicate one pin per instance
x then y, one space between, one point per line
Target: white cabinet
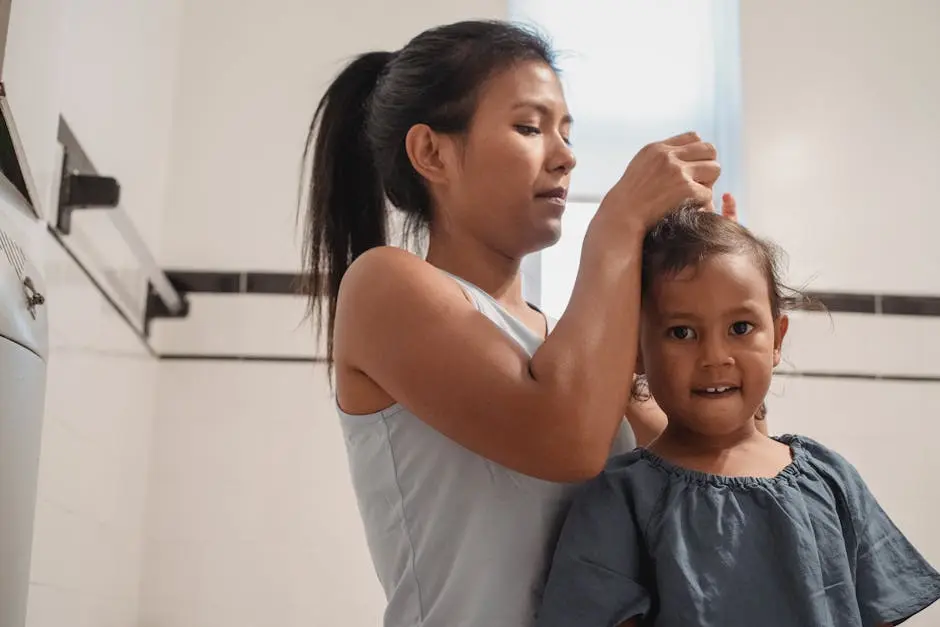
23 353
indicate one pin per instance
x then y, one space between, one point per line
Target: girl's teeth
717 390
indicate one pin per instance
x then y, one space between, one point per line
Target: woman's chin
550 232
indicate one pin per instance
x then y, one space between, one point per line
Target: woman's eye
525 129
681 333
741 328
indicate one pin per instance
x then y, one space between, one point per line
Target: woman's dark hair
358 140
688 236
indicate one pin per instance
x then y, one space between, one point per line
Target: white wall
249 81
94 462
840 129
252 519
109 67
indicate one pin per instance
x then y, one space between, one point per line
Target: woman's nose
562 157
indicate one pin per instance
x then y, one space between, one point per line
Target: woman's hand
729 207
660 177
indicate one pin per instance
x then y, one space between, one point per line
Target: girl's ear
781 325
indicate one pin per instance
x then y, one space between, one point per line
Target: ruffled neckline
790 472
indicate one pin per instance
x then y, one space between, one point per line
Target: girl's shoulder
822 460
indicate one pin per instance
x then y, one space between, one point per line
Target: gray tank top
456 540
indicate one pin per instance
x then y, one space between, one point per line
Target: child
715 524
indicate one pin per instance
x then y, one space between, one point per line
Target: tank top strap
498 315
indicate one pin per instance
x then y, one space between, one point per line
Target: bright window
634 71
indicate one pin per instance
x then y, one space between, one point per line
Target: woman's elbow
573 447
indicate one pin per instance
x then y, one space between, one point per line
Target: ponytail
346 203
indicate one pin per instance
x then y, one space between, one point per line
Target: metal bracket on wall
82 189
156 307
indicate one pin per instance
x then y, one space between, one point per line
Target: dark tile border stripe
790 374
279 359
207 282
860 376
910 305
286 283
846 303
221 282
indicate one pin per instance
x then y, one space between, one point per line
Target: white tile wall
246 324
94 462
905 346
251 517
840 129
119 71
251 79
109 67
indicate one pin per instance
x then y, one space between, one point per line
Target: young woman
466 423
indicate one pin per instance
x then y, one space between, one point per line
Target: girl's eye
525 129
741 328
681 333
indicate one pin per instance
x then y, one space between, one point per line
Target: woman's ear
432 154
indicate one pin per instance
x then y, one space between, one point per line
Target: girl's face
507 183
710 343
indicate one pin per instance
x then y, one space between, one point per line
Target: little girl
716 524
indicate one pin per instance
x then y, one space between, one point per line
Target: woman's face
511 177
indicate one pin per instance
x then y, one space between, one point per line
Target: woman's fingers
729 207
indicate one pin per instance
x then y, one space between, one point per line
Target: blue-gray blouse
680 548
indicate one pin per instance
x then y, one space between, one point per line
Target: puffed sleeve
893 581
594 579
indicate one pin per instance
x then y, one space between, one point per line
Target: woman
466 424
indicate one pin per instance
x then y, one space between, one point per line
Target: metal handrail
83 188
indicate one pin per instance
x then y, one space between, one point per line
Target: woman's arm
411 331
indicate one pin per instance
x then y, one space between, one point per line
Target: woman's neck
488 269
